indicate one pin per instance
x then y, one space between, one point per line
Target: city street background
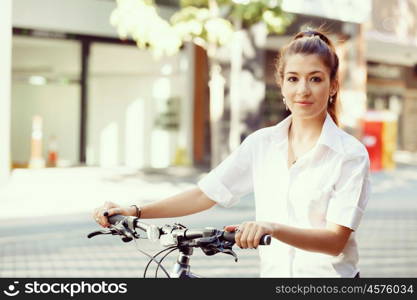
92 109
45 219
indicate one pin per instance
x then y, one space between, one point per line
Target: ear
334 87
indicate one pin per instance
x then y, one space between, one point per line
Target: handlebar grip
230 236
266 239
115 219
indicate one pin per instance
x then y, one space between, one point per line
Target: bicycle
174 237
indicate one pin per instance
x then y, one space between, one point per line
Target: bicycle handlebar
155 232
210 240
230 236
115 219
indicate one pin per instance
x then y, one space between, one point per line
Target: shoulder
352 147
353 162
260 136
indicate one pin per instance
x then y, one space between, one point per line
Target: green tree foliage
197 24
194 22
249 12
139 19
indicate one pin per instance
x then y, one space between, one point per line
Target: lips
303 102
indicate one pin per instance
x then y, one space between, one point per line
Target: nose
303 87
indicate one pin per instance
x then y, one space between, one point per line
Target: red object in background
52 158
372 138
52 151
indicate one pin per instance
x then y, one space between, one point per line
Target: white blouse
328 183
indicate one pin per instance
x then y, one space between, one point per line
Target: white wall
5 63
70 16
126 85
76 16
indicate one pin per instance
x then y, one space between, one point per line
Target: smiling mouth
304 102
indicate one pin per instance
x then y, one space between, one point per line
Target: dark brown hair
313 42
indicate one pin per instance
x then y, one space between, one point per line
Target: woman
310 179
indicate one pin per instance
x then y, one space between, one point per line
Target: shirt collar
280 134
329 136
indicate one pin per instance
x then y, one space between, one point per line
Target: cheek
323 93
287 90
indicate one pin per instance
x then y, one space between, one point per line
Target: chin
308 114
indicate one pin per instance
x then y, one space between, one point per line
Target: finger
98 216
251 237
102 220
257 238
108 213
230 228
113 211
244 237
238 236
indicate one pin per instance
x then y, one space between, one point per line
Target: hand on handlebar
248 234
101 213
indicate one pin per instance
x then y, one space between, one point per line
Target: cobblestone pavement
56 245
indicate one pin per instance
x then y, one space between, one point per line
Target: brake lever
230 252
98 232
112 230
123 229
212 245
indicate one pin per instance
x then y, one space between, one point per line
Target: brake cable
160 262
151 258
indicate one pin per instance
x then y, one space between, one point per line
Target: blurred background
131 101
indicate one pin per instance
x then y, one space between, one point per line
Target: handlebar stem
182 265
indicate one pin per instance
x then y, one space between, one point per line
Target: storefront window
45 101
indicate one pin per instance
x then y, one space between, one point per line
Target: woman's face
306 86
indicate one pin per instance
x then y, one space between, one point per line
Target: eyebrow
308 73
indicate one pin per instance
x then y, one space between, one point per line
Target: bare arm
330 240
183 204
186 203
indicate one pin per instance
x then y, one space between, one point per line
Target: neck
305 130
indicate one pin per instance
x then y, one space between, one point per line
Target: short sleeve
351 193
232 178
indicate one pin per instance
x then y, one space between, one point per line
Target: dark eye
292 79
315 79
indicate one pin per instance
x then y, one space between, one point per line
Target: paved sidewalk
388 233
55 191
